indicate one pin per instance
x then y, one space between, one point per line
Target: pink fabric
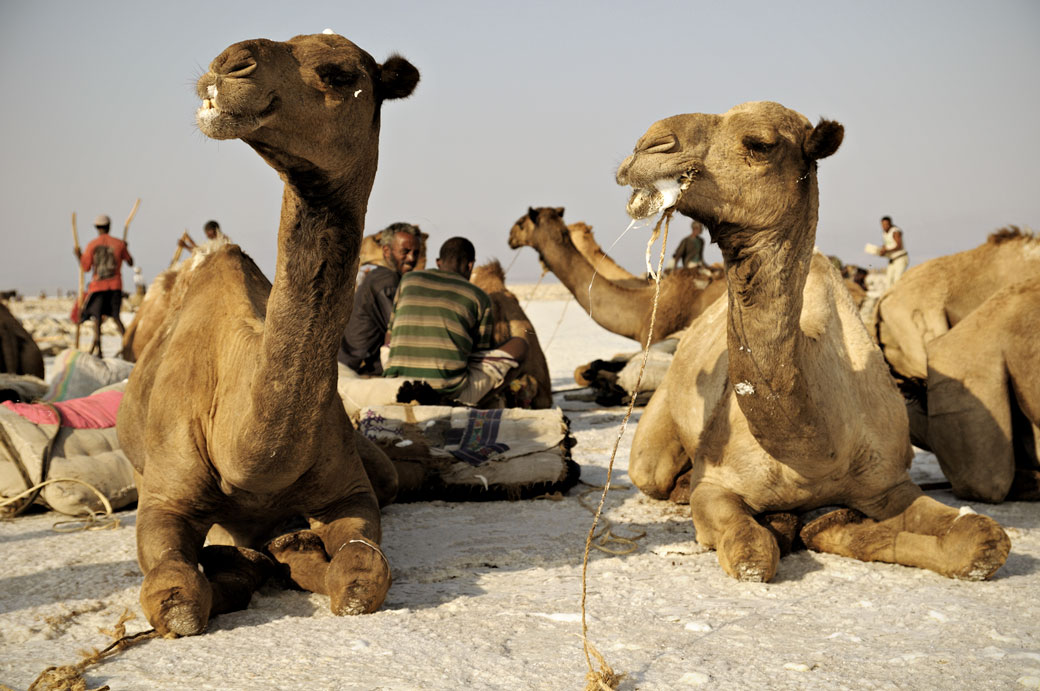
93 412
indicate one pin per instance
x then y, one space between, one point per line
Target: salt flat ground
489 596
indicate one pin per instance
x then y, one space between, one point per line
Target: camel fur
931 298
620 306
981 416
19 353
231 417
777 399
509 321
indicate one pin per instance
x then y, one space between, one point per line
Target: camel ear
532 213
824 140
397 78
559 211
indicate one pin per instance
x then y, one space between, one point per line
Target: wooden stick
180 247
133 212
79 264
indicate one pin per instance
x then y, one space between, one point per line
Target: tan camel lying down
982 416
231 417
777 400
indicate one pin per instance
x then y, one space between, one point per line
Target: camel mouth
646 202
220 123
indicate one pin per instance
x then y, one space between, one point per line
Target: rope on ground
91 521
605 677
71 676
606 536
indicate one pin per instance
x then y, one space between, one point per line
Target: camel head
749 168
309 106
529 229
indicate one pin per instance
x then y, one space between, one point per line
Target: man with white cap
105 255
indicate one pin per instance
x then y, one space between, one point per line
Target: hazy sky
520 104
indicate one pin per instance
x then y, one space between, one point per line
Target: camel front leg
340 556
175 596
928 535
747 550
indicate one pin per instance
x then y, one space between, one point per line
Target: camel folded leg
927 535
658 458
175 596
340 558
234 574
747 550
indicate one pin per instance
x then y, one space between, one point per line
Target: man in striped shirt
441 329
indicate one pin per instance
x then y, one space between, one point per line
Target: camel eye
336 77
758 146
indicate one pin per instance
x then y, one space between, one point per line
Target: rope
91 521
71 676
605 676
558 322
506 272
606 536
530 296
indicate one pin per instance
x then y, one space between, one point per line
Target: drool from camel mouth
646 202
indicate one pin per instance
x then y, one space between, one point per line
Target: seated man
441 330
374 300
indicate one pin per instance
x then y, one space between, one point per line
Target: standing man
894 250
441 330
374 299
690 252
105 255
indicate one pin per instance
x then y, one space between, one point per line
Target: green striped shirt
439 319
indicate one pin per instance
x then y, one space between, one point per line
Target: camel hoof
978 547
749 553
177 599
303 559
819 533
358 579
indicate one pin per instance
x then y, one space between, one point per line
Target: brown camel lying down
19 353
777 400
231 417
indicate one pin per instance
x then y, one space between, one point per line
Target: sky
519 104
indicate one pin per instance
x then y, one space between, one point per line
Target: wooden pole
185 238
133 212
79 264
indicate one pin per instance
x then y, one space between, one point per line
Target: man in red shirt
105 255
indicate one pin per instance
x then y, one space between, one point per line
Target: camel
510 320
155 306
231 417
19 353
618 306
605 267
777 399
931 298
981 416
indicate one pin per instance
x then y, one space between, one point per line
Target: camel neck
619 309
766 272
308 308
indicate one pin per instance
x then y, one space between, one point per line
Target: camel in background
19 353
931 298
620 306
777 400
509 321
981 411
232 418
